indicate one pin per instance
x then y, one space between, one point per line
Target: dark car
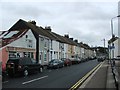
67 62
23 65
100 59
56 63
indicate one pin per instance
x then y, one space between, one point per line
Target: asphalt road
56 78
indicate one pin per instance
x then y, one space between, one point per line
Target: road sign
111 47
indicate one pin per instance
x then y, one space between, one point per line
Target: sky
87 21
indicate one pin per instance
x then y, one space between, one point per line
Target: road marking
89 78
5 82
76 85
34 80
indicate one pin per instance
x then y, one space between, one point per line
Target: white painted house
114 47
17 43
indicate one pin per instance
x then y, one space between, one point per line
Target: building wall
85 53
71 50
61 50
119 19
119 46
82 53
43 50
113 52
116 49
77 51
66 52
4 56
19 47
119 28
55 49
29 42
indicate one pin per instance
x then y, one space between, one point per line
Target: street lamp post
112 24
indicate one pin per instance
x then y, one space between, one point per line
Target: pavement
103 77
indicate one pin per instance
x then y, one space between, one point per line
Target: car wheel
25 72
40 69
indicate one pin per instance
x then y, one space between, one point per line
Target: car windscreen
33 61
54 61
24 61
13 60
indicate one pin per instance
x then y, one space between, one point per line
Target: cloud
24 9
87 21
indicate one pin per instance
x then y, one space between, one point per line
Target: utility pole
104 44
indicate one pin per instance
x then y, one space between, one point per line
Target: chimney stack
71 39
66 35
76 40
48 28
32 22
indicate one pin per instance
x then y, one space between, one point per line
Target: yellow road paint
76 85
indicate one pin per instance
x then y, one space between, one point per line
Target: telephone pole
104 44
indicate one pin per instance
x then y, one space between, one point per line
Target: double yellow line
75 86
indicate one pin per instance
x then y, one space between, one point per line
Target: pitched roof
21 24
10 36
36 30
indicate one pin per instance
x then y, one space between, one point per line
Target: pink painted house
17 43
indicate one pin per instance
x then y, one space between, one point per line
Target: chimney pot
76 40
71 39
32 22
48 28
67 36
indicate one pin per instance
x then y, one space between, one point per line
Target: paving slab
102 78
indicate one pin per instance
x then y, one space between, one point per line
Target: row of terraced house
26 39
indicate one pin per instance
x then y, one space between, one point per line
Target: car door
36 65
29 64
60 63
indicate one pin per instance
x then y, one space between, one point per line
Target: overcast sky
88 22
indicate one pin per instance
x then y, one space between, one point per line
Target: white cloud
60 0
87 21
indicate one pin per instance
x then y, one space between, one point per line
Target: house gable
27 41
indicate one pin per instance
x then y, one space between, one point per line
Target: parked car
75 61
56 63
23 65
67 62
100 59
84 59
